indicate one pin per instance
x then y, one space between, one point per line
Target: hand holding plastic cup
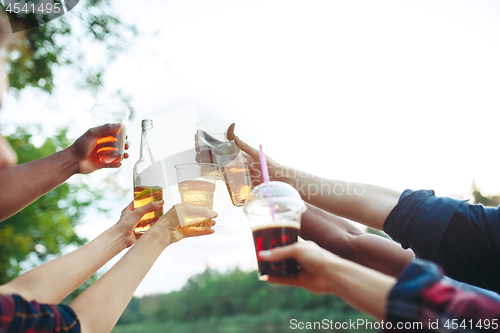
270 232
197 187
110 146
235 171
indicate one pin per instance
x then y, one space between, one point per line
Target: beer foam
279 224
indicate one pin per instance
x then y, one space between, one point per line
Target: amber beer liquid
197 193
109 148
142 196
268 237
237 179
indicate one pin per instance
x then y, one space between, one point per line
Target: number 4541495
43 8
454 324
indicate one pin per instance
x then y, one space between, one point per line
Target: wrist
116 239
73 157
159 235
336 274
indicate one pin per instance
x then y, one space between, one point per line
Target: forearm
379 253
52 281
100 306
363 203
24 183
341 237
365 289
329 231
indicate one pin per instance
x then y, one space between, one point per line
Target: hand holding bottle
146 189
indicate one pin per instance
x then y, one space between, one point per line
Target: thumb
254 153
280 253
230 132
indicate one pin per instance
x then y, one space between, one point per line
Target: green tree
34 56
45 227
212 295
492 200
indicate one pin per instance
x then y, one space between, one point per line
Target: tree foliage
35 55
479 198
212 294
45 227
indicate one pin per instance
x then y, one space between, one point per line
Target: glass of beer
197 187
235 171
110 146
269 232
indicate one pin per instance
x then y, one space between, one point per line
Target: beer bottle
146 188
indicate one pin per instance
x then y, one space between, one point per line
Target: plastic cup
197 187
283 230
110 146
235 171
211 133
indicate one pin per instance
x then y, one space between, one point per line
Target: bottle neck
145 152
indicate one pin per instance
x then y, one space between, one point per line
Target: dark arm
24 183
341 237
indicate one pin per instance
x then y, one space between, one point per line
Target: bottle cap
147 123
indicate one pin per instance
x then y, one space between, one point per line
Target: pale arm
111 293
363 203
325 273
52 281
363 288
100 306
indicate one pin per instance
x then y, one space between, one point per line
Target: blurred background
397 94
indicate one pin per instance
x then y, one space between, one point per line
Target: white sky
398 94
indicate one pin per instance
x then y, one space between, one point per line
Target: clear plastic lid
284 198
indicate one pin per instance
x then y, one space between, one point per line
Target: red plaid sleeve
20 316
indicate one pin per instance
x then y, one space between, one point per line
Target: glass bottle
146 188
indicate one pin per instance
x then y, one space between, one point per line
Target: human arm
100 306
460 237
424 296
325 273
18 315
363 203
420 296
24 183
341 237
52 281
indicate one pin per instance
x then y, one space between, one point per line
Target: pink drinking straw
265 176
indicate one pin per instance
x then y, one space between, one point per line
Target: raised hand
130 217
252 156
170 222
316 266
83 148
